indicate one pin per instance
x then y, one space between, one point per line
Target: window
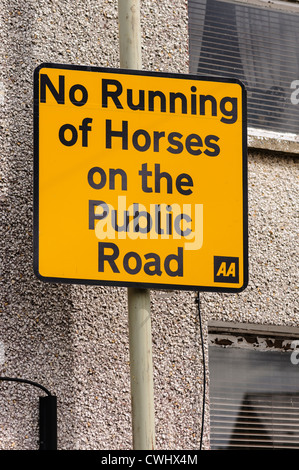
254 391
257 42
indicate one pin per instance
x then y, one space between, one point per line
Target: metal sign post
140 339
143 426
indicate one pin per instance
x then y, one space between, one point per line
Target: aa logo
226 269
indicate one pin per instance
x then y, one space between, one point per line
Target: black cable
204 374
35 384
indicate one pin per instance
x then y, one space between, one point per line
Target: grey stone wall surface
271 296
73 339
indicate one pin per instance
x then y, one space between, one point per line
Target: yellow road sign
140 179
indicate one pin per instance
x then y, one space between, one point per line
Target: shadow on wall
35 318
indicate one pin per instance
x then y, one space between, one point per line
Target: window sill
270 140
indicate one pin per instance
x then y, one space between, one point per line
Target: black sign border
154 286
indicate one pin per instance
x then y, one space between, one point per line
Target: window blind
257 45
254 399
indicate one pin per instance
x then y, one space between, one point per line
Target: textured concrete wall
272 294
74 339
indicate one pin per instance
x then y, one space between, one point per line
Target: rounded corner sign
140 179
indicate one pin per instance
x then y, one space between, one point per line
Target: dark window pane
254 399
257 45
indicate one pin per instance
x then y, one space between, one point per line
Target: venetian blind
258 45
254 399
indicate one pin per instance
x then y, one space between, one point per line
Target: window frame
263 338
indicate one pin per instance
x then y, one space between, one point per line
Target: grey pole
141 369
129 34
140 337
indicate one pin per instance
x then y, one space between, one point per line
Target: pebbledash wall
73 339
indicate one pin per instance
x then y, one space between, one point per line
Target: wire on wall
29 382
204 372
